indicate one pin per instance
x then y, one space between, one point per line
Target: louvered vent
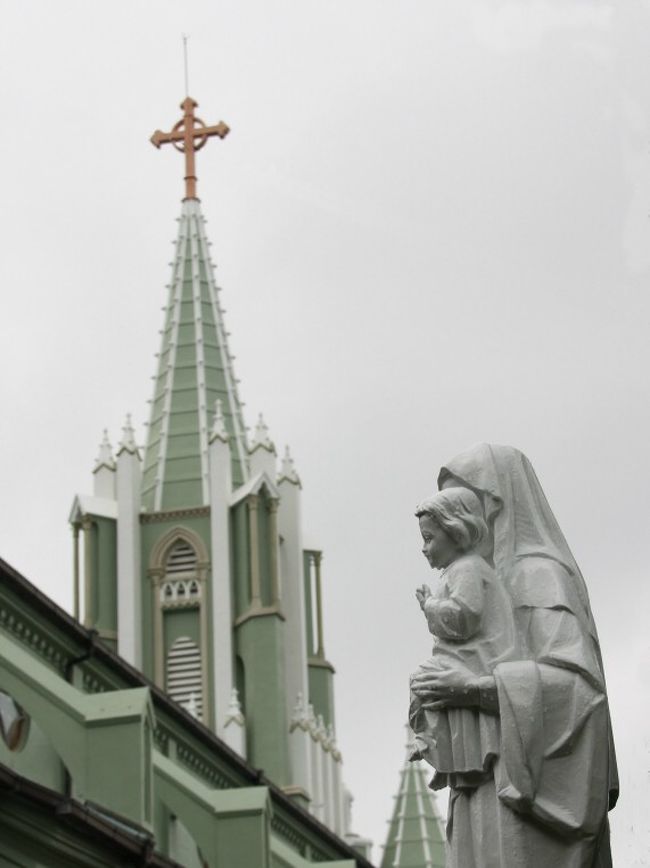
184 676
182 559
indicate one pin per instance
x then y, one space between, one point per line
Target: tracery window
180 587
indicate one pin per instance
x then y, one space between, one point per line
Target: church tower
415 834
189 558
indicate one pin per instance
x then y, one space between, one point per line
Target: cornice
174 514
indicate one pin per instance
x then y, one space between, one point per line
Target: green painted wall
259 643
321 689
103 600
241 560
37 761
178 623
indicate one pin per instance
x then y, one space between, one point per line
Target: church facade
187 711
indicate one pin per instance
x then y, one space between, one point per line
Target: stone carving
470 614
511 709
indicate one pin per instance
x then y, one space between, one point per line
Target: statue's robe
470 615
545 801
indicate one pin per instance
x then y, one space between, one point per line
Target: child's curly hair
459 513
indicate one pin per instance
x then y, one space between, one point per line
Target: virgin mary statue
544 798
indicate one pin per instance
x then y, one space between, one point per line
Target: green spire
415 836
194 371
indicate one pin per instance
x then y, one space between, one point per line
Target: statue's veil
517 511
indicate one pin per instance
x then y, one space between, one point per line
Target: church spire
415 837
195 367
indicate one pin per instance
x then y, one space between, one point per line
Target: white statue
532 788
471 616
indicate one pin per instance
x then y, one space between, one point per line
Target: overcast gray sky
431 226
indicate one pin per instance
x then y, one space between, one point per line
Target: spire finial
188 136
219 431
288 470
185 65
127 443
105 455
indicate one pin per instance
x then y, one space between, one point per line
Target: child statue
470 615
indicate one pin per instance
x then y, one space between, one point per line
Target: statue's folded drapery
546 801
553 709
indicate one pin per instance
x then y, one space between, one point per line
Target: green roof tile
415 834
194 371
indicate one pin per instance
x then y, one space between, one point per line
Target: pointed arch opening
179 569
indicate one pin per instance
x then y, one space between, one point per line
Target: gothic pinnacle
105 456
218 425
127 443
288 470
261 439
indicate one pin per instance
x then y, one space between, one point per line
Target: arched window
179 568
180 586
184 675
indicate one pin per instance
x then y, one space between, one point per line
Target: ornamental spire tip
188 136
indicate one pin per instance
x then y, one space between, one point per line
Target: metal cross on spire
188 136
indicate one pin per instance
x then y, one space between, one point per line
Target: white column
317 800
220 489
328 817
300 745
129 574
293 607
333 800
337 788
